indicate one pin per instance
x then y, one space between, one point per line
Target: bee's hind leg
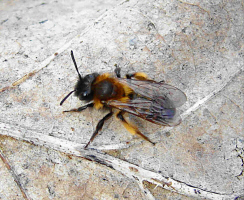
138 75
131 128
80 108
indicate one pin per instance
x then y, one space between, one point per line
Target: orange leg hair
138 75
131 128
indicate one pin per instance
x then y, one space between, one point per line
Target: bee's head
83 88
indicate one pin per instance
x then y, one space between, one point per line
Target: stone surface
196 46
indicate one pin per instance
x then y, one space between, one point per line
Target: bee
153 101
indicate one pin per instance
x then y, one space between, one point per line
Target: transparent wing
149 110
165 95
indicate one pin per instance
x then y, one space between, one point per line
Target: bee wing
149 110
166 95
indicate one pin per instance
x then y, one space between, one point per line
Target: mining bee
153 101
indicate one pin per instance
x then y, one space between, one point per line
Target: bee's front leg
80 108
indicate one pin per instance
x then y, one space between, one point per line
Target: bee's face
84 87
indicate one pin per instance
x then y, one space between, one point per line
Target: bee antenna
66 97
73 58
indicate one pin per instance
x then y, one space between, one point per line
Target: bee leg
138 75
132 129
80 108
99 127
117 71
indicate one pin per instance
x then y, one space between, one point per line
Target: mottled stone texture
196 46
